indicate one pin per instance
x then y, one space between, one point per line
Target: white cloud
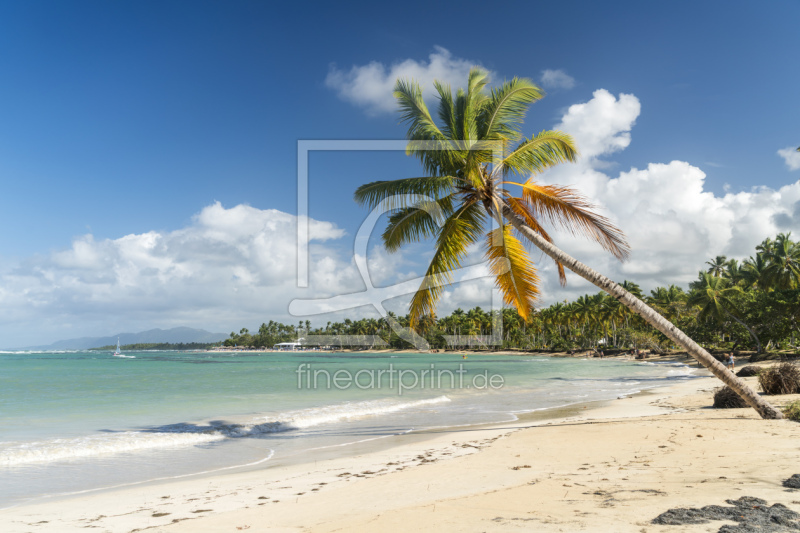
602 125
370 86
791 156
227 268
557 79
673 223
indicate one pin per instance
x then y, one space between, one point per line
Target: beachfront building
288 346
294 346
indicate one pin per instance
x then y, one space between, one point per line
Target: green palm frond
446 111
413 224
507 107
540 152
460 230
713 296
414 111
402 193
475 99
421 127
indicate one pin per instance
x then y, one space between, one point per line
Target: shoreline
371 490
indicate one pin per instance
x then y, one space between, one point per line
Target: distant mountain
154 335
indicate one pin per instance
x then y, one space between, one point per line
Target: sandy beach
609 466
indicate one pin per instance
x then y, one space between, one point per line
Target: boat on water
117 352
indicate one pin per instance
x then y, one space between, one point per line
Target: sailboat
117 353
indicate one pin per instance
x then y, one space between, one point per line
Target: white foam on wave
685 371
184 435
12 454
334 413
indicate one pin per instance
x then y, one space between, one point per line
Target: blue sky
133 118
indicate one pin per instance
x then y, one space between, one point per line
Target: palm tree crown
473 156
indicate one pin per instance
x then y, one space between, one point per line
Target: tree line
732 305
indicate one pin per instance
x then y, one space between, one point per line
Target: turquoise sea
83 421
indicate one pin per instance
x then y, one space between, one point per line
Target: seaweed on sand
750 514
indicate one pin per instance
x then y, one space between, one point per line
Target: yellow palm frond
568 209
514 273
519 206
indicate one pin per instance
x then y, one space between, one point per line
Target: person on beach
731 363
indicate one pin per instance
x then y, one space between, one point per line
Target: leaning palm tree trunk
648 314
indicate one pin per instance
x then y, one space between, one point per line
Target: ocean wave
184 435
13 454
685 371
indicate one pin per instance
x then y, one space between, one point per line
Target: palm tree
753 271
470 158
766 245
667 301
717 265
783 264
713 295
733 271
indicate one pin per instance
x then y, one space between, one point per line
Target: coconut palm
713 296
471 158
753 271
733 271
717 265
667 301
783 264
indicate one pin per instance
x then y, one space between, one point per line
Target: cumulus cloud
229 267
557 79
791 156
602 125
673 223
370 86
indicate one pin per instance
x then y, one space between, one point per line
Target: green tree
783 264
714 297
470 159
716 266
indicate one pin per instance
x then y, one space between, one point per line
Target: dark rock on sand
750 514
793 482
